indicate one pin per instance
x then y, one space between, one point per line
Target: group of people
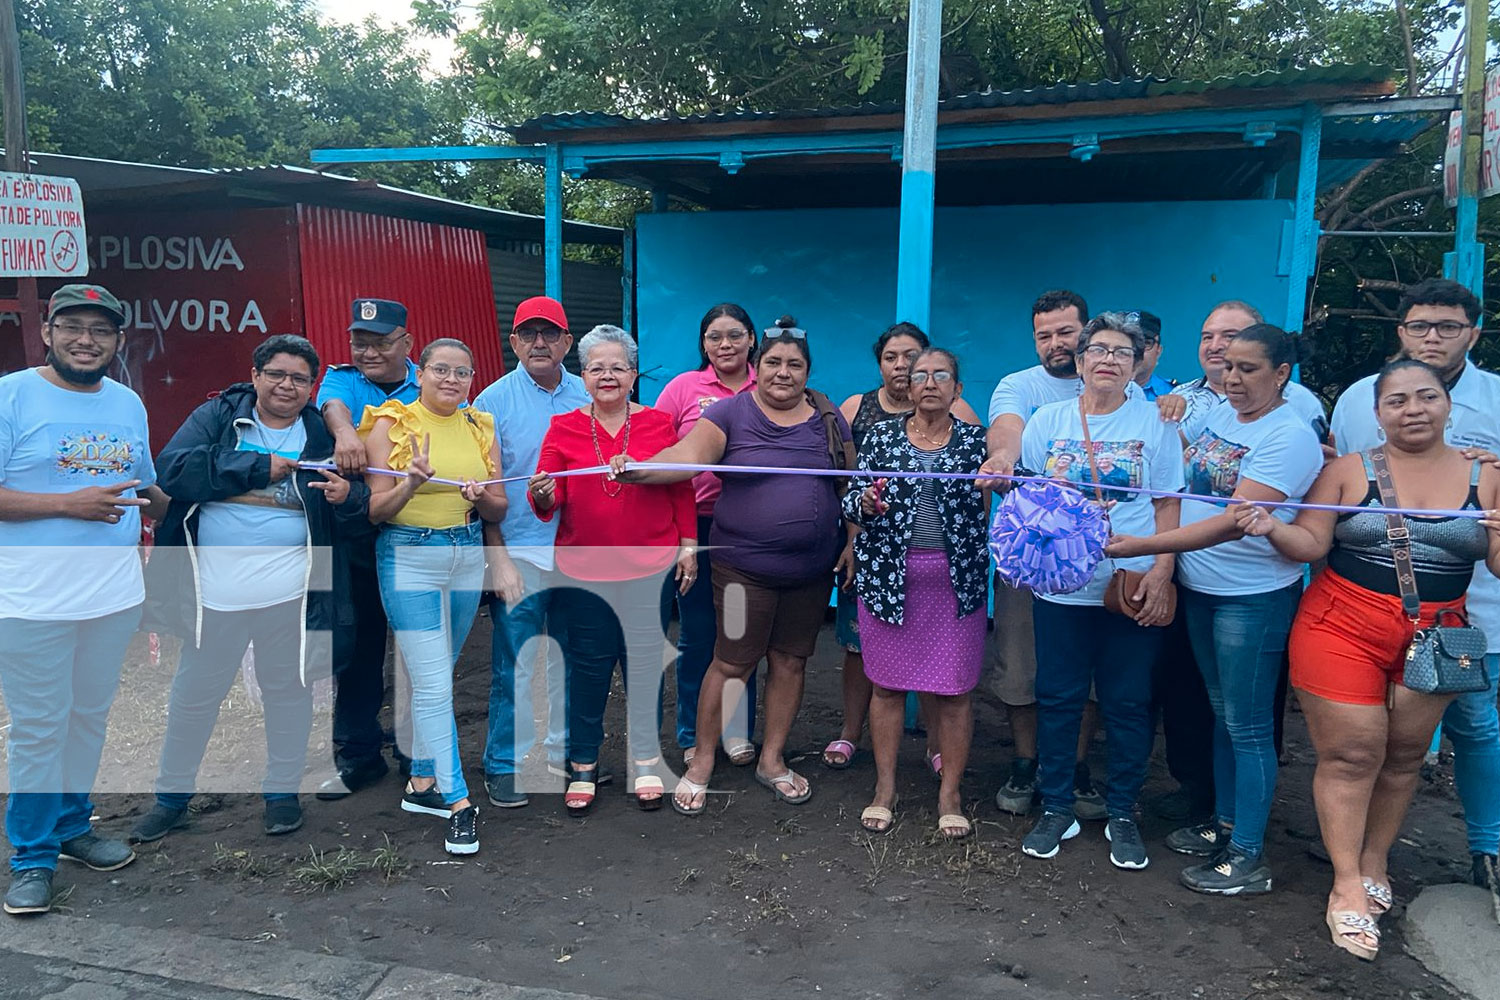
400 499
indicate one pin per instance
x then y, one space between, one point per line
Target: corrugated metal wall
440 273
592 294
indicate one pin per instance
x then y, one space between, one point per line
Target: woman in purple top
775 540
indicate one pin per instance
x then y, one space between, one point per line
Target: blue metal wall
835 271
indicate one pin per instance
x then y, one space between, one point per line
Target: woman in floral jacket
921 569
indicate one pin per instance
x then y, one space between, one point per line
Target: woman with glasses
921 571
774 541
1080 643
430 560
726 348
615 541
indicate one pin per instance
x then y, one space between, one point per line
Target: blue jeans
1238 642
1078 646
204 676
430 582
59 680
512 733
1474 730
697 630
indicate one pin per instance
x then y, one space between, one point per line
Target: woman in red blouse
615 541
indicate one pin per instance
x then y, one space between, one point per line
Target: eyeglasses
599 371
441 372
733 336
549 335
776 333
381 346
275 376
98 331
1448 329
938 377
1098 352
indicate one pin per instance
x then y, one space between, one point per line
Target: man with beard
1439 325
75 480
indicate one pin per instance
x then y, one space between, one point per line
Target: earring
1380 433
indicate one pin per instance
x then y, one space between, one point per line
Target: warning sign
41 227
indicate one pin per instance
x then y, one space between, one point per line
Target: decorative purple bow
1047 538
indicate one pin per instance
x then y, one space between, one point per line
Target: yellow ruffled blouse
460 450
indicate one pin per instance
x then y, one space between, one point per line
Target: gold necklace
947 435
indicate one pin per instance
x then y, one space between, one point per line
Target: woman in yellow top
430 560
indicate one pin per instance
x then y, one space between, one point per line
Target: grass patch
324 871
241 864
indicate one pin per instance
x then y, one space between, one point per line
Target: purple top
781 528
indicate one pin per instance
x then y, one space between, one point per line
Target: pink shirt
684 399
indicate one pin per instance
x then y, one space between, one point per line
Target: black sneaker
1205 840
102 854
463 832
30 892
157 823
1088 804
1232 873
429 802
352 778
283 816
1018 794
1050 831
1126 848
502 791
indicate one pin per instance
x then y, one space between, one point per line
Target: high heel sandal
579 796
1347 927
644 780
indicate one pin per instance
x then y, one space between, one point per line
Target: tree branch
1388 201
1406 47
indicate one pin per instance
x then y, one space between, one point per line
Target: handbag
840 451
1119 593
1442 659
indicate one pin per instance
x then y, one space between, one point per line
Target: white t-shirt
1476 424
1132 447
1024 392
1280 451
1203 400
56 440
252 555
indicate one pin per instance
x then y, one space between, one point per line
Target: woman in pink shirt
726 346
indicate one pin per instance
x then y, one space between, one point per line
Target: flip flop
788 779
877 814
740 752
935 761
694 790
1379 897
952 826
1346 928
842 747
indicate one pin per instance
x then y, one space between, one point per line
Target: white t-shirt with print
1203 400
1279 450
1133 447
1024 392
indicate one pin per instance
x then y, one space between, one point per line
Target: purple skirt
934 651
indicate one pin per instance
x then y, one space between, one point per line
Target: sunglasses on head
771 335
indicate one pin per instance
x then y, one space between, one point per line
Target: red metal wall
440 273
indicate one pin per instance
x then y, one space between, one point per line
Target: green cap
85 297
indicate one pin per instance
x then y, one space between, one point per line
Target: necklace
606 482
935 444
275 446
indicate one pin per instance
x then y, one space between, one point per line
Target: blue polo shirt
349 386
523 411
1156 386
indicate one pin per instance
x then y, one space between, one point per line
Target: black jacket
201 465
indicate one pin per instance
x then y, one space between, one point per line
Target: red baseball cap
541 307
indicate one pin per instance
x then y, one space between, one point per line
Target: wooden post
13 104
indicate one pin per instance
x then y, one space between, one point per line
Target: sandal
579 796
740 752
878 814
647 786
694 790
841 749
935 761
788 778
952 826
1379 897
1348 927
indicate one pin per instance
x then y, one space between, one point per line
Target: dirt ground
754 896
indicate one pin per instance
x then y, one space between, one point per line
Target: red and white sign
41 227
1489 146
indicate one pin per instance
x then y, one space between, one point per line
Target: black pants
359 668
1187 718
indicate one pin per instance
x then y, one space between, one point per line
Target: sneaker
1205 840
1050 831
1232 873
352 778
157 823
429 802
1088 804
283 816
30 892
463 832
1019 792
103 854
502 791
1126 848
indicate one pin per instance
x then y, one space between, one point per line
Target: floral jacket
880 550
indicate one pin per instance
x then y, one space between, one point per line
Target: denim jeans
512 731
205 675
430 582
1239 642
1078 646
1187 718
1474 730
697 630
359 667
59 680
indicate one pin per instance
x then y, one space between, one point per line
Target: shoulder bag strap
1399 535
1088 447
840 453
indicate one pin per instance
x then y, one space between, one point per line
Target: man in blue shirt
523 402
1152 384
382 370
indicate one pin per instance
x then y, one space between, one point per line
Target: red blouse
646 522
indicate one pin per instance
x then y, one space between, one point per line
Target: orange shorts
1348 643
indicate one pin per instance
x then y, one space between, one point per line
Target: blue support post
552 227
919 163
1304 218
1465 264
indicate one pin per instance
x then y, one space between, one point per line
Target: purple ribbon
1047 538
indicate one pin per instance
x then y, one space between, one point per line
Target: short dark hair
734 312
1150 325
1440 292
442 342
902 329
1060 298
1402 364
945 354
286 343
1280 347
772 338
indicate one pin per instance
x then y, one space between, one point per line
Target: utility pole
1466 263
13 106
919 162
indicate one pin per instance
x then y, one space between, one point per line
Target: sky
439 50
